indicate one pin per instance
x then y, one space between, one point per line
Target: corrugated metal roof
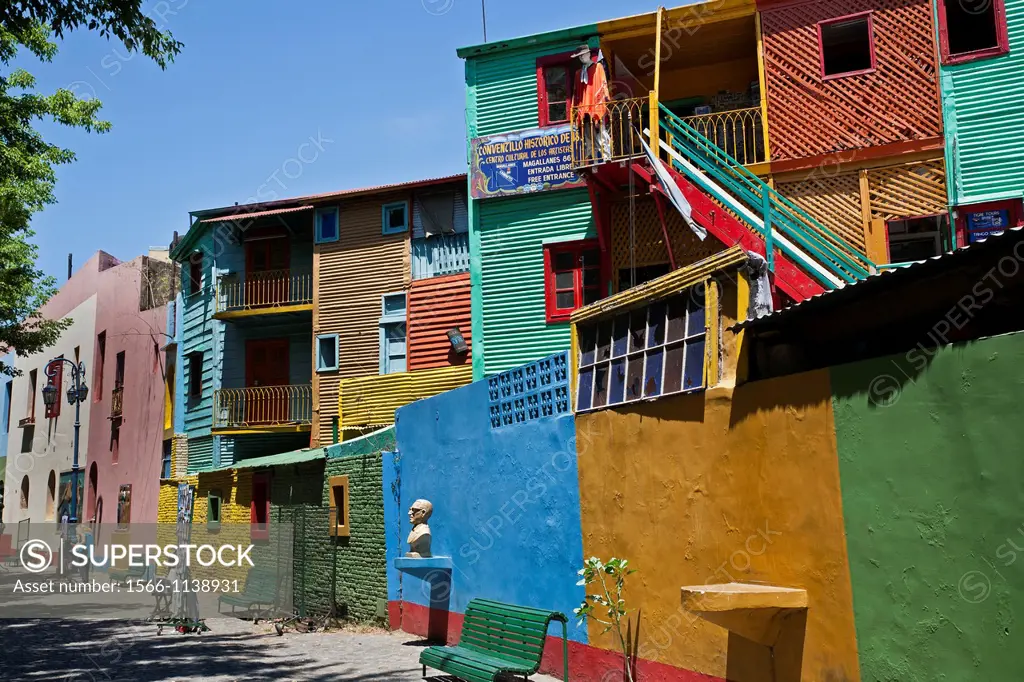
883 278
256 214
373 189
294 457
662 287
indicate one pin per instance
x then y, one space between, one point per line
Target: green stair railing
816 241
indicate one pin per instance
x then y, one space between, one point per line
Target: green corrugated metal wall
512 232
501 97
983 106
502 89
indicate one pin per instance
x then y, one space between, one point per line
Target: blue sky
377 84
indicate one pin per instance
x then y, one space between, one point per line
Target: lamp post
77 394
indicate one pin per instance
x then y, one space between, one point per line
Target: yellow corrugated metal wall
352 275
372 401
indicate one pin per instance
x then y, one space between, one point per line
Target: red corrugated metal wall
897 102
435 306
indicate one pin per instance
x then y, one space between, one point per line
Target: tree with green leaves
28 162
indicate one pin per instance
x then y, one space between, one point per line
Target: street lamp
77 394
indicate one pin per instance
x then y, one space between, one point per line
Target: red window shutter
54 411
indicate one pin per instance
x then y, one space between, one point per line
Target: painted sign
65 494
983 224
519 163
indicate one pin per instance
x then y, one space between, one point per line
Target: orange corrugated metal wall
435 306
897 102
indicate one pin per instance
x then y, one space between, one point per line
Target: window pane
695 324
677 318
604 342
674 368
591 295
970 26
617 381
846 46
328 225
600 385
591 277
564 280
693 377
620 344
396 217
587 341
591 258
634 376
656 325
652 382
558 111
394 304
555 79
586 387
637 327
565 300
565 260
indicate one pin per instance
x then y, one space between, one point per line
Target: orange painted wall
436 305
734 485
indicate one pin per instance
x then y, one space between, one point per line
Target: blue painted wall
506 503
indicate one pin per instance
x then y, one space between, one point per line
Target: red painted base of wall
586 663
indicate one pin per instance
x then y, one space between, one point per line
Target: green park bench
259 595
497 639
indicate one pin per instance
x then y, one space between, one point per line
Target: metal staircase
737 207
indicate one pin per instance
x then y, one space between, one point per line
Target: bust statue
419 538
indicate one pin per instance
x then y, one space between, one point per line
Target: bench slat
491 611
512 648
509 633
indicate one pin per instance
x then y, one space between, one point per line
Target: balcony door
266 378
267 271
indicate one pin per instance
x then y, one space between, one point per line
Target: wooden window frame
542 90
384 229
708 339
195 274
871 45
552 312
192 356
101 361
888 247
326 368
1002 37
212 524
342 529
319 238
33 386
255 532
388 319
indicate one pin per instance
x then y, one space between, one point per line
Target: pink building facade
126 424
118 328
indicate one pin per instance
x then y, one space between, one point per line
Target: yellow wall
737 484
372 401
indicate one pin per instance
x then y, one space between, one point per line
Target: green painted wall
501 97
501 88
507 243
933 497
200 454
353 567
983 111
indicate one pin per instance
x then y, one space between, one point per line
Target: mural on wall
524 162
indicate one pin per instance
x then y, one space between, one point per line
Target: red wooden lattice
898 101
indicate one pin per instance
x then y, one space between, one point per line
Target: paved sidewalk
109 651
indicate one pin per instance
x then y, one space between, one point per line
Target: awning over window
256 214
294 457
